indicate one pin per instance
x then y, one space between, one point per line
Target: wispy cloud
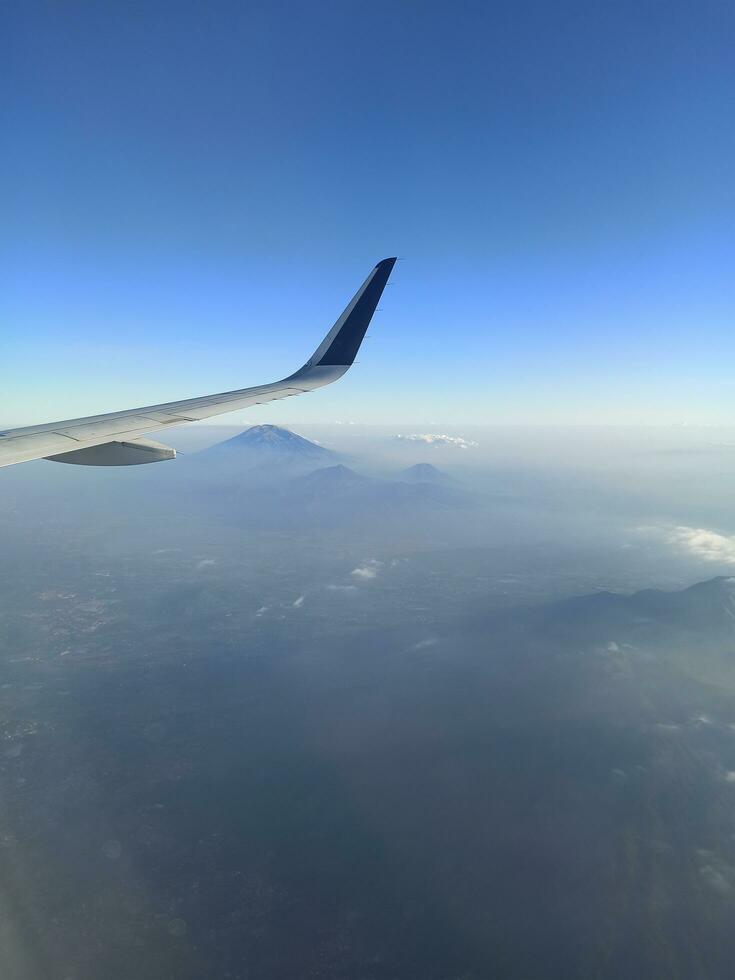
718 874
342 588
430 641
299 602
207 563
437 439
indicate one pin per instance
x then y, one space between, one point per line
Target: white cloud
207 563
367 570
700 542
342 588
299 602
261 611
364 572
437 439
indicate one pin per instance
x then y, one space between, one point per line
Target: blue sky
191 192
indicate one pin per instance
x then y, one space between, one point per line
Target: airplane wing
114 439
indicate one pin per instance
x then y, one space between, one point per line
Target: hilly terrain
247 751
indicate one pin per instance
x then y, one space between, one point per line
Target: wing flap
131 452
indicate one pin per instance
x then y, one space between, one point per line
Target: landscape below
276 712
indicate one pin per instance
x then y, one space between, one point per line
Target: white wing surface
114 439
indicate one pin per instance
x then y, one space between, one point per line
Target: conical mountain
273 444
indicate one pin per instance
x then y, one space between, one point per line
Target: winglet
340 346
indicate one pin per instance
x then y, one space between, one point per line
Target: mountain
270 443
336 494
423 473
707 608
680 637
334 479
270 477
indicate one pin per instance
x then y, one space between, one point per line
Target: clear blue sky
191 191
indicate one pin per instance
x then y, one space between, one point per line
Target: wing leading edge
112 439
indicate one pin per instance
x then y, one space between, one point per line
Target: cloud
368 570
430 641
437 439
207 563
667 728
364 572
342 588
718 874
716 879
261 611
299 602
700 542
702 720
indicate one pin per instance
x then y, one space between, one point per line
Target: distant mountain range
265 445
272 477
